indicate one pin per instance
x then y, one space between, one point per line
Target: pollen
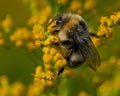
52 26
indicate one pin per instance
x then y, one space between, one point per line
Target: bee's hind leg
60 71
95 35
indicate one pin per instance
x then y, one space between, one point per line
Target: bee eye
59 20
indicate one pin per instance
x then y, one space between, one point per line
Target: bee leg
56 43
95 35
60 71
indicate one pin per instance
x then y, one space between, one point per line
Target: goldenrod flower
53 51
30 45
50 83
1 39
68 72
52 25
7 23
38 35
83 93
62 2
50 75
33 20
57 56
48 66
21 35
17 89
47 58
75 5
60 63
44 15
105 30
89 4
115 17
18 43
38 32
51 40
46 49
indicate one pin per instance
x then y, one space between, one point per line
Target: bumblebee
74 36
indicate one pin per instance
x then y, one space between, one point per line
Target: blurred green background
18 64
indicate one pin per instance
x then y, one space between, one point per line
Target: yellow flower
1 39
44 15
48 66
38 32
38 70
75 5
83 93
50 75
96 41
60 63
47 58
18 43
57 56
7 23
62 2
30 45
33 20
68 72
51 40
115 17
20 35
46 49
50 83
53 51
38 43
17 89
105 31
89 4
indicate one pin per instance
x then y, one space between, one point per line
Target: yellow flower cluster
7 23
20 36
75 6
38 34
43 38
53 59
42 79
51 40
62 2
89 4
110 86
15 89
78 6
41 17
105 29
1 39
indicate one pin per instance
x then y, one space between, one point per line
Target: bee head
59 21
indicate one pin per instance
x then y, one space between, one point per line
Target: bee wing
87 49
